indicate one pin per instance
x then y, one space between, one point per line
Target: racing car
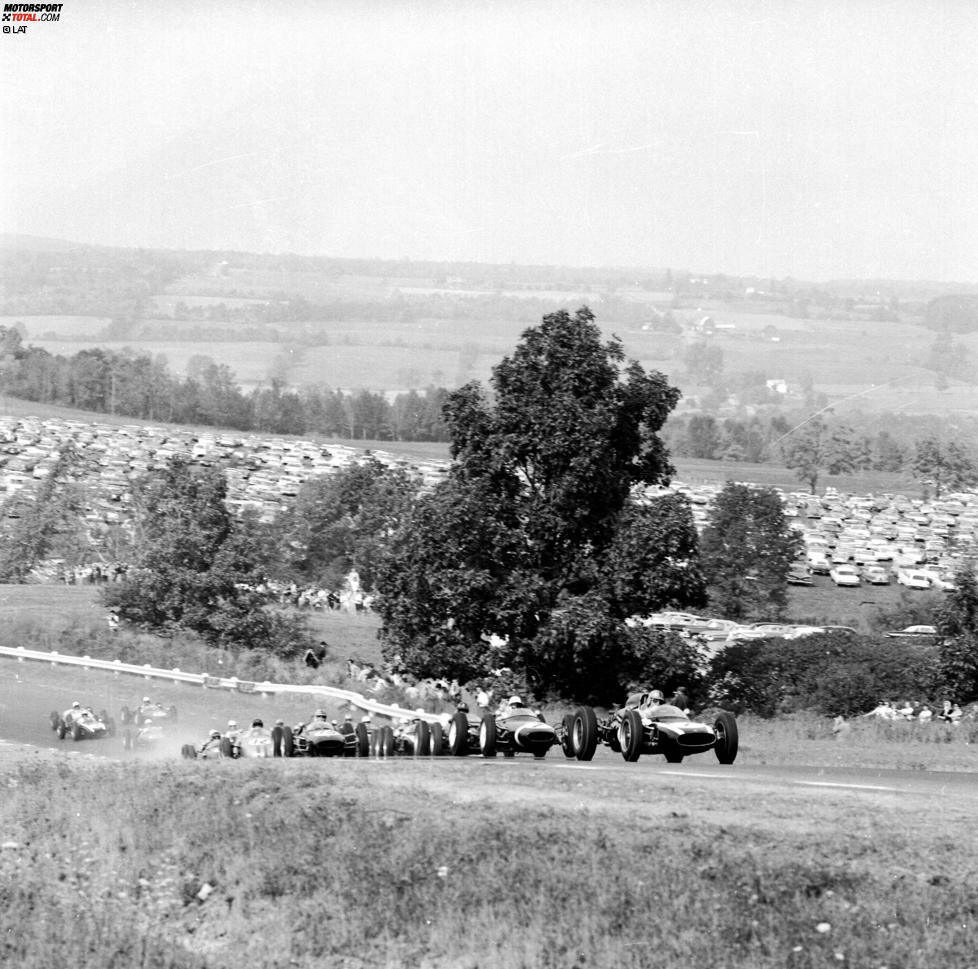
82 724
319 739
511 730
147 734
147 710
413 737
642 727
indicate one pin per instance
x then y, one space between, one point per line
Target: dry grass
355 864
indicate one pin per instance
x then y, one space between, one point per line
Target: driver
656 699
319 720
212 742
73 713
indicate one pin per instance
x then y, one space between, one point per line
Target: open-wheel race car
149 733
412 737
511 730
642 726
80 723
319 738
147 710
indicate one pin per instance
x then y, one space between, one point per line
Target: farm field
869 367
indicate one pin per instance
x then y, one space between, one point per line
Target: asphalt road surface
29 692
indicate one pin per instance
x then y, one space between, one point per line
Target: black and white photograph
558 419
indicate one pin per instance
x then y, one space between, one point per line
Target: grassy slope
354 863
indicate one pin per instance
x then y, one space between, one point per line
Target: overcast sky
809 139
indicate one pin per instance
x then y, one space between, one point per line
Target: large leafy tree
957 627
943 467
533 552
747 550
342 521
198 569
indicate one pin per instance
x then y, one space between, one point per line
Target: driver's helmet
146 699
320 714
335 723
147 723
75 705
657 695
463 708
215 735
515 701
348 717
258 723
366 719
233 724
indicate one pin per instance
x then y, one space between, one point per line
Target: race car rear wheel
363 740
283 744
487 736
62 730
567 736
728 740
76 731
227 749
458 735
422 741
630 735
437 740
385 744
585 730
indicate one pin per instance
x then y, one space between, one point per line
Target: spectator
905 710
925 715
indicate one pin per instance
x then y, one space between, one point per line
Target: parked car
920 632
845 575
876 575
913 579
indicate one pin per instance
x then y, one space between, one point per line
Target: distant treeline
139 386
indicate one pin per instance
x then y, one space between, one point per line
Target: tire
630 735
728 739
674 757
567 736
62 730
227 749
385 745
585 730
282 743
422 740
125 717
187 752
487 735
76 732
437 740
363 740
458 735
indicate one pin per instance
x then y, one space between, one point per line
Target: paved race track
30 691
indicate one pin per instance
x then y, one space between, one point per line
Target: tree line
141 386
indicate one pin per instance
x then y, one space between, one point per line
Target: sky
816 140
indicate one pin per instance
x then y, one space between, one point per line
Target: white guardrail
21 654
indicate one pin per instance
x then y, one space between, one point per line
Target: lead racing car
643 726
